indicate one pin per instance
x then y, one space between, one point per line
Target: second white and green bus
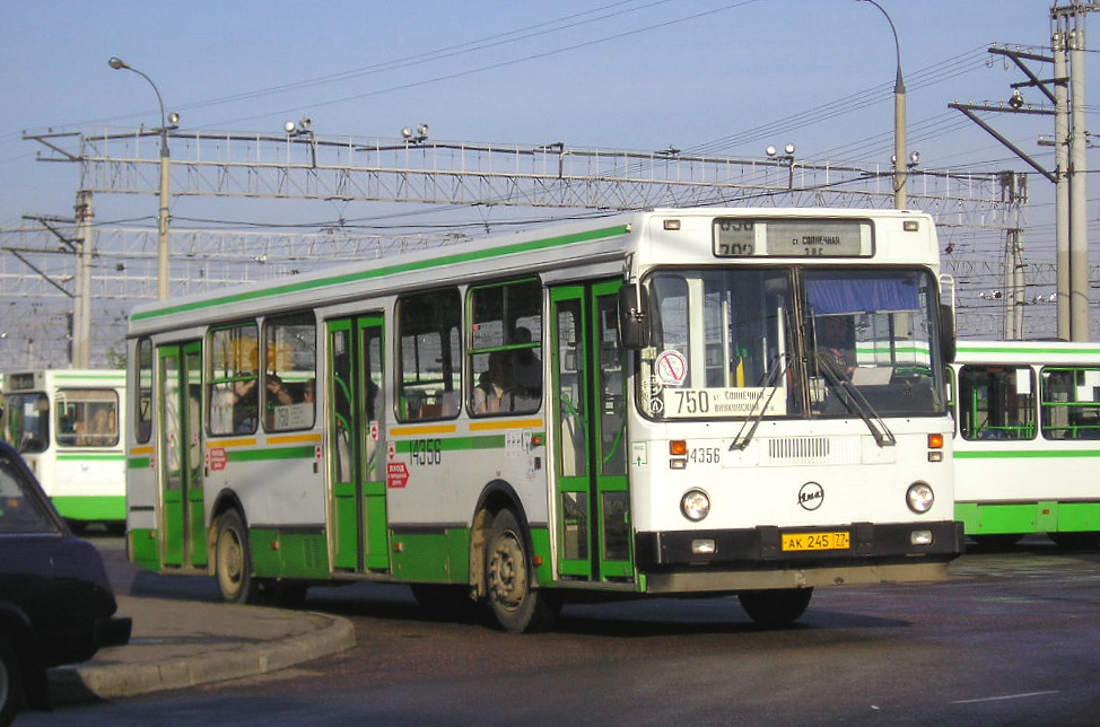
1028 442
642 405
67 424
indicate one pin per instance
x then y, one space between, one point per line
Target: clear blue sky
636 74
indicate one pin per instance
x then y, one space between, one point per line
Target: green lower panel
91 509
540 540
432 557
1075 517
277 554
145 549
1023 518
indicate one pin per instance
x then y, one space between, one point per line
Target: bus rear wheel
233 563
516 605
777 607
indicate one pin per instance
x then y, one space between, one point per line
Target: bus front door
356 436
180 447
592 498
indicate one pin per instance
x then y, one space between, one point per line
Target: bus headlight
920 497
695 504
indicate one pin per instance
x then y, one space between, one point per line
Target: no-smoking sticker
671 368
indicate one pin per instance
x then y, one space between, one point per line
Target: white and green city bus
67 423
1028 441
634 406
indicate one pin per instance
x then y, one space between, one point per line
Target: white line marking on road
1006 696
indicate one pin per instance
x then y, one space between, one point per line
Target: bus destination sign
742 237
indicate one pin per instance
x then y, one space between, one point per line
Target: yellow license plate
841 540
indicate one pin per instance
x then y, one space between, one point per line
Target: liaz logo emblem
811 496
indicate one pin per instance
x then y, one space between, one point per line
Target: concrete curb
93 681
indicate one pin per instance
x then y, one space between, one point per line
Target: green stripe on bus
386 270
1017 350
1028 454
139 463
106 457
253 455
457 444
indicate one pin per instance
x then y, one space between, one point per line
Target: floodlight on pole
165 176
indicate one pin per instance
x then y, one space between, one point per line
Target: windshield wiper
850 393
743 438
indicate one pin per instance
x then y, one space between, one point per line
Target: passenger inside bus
495 391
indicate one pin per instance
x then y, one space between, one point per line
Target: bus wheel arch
501 547
497 495
233 556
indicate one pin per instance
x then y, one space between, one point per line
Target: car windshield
21 510
817 342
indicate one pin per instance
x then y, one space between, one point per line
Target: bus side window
504 348
234 379
430 363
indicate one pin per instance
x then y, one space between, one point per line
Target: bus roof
584 247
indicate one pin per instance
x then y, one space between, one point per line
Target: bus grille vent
799 450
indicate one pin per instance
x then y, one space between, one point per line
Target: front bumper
761 548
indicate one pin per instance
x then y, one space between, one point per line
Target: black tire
1076 541
11 683
516 605
445 599
996 541
778 607
233 561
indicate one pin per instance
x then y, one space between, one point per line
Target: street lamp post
165 176
901 176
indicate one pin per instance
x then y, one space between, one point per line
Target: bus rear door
179 390
356 440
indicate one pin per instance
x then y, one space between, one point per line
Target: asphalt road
1010 639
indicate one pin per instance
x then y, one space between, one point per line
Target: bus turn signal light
678 448
935 441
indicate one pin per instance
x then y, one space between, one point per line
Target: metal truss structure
974 211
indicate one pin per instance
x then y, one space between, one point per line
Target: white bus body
66 423
1028 438
479 425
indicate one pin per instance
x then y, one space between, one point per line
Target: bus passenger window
505 348
428 328
291 354
234 379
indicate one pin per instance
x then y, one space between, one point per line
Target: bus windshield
27 421
802 342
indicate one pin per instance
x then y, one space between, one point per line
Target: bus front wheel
516 605
777 607
234 562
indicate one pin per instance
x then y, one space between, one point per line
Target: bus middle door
356 435
592 496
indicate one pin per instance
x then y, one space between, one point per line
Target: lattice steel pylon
971 211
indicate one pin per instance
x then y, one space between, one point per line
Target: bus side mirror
948 341
633 317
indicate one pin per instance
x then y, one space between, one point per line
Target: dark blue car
56 604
